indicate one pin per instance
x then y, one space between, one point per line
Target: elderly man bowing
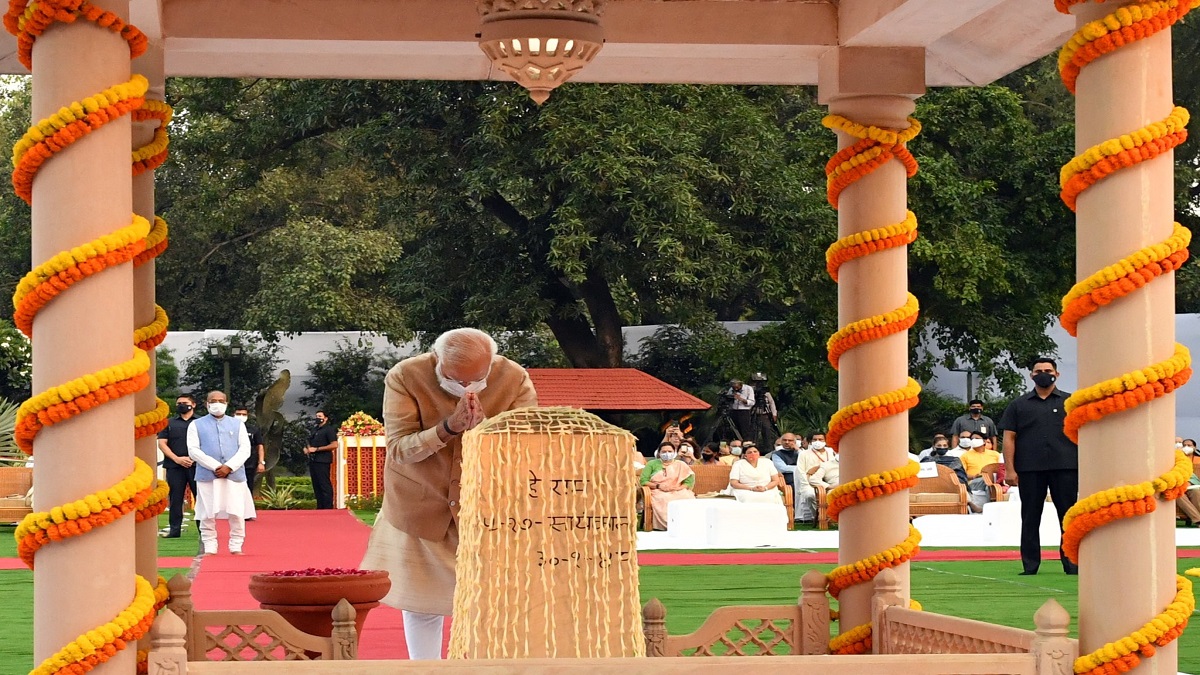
428 402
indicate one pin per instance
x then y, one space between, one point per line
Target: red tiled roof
609 389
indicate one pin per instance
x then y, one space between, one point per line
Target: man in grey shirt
974 421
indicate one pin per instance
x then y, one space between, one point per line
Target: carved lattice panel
248 643
750 637
906 639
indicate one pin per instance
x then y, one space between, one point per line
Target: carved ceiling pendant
541 43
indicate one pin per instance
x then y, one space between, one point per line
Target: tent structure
870 59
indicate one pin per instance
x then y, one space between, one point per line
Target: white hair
463 345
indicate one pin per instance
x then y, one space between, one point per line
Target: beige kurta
415 537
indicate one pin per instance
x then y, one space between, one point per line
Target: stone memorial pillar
547 559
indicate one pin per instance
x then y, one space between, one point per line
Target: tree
166 374
348 379
249 372
16 359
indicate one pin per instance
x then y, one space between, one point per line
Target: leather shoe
170 535
1027 573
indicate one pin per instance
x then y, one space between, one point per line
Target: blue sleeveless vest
219 440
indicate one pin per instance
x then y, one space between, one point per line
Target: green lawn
987 591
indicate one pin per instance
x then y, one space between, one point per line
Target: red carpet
287 540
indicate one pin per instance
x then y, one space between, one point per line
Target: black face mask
976 411
941 451
1043 380
183 408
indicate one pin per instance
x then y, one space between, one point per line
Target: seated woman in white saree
669 479
754 479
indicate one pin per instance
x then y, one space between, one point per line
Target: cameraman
742 401
763 414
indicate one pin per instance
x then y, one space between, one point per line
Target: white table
726 523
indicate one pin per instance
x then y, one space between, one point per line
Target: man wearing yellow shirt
981 454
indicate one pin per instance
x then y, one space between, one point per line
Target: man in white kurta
220 446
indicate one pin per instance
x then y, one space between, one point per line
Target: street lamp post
970 379
226 353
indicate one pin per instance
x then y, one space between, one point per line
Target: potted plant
306 598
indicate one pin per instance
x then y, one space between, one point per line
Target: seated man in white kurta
220 447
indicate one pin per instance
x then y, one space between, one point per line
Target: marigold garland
870 487
862 571
151 156
872 328
1124 26
156 241
64 401
1124 277
875 408
1105 159
28 20
865 243
152 334
74 518
53 134
99 644
1125 501
155 503
875 148
41 285
1127 391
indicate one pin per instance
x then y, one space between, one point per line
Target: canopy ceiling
967 42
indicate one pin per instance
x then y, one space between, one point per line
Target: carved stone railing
748 630
900 630
185 634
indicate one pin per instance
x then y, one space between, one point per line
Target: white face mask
667 456
735 451
976 442
241 417
217 409
1188 450
1179 446
964 442
458 389
818 445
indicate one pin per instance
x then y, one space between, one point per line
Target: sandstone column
872 86
79 195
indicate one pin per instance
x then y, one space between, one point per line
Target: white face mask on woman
976 442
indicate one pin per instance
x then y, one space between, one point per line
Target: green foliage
349 378
313 272
301 486
278 497
16 361
249 372
534 348
9 453
295 437
166 374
